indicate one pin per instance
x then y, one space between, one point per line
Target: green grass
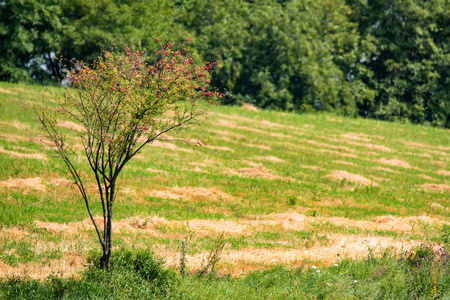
300 152
136 274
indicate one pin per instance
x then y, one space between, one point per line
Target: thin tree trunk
107 242
105 259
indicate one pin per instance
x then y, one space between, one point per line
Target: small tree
124 101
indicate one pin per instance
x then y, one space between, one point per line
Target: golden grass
237 262
5 91
169 146
339 153
70 265
340 175
443 172
259 171
71 126
270 158
436 187
23 155
27 183
394 162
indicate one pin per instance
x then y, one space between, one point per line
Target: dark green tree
409 42
28 39
291 55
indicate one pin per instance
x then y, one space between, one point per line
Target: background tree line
385 59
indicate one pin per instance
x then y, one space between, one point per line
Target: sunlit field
286 191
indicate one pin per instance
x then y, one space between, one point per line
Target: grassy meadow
290 195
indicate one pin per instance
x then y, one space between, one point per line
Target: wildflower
355 281
317 271
313 267
336 265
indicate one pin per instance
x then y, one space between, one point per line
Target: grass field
286 190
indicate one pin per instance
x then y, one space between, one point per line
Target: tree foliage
374 58
125 101
409 55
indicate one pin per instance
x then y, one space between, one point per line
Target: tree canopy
374 58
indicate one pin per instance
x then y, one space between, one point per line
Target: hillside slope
283 188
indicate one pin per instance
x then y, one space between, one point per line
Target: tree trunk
104 260
107 240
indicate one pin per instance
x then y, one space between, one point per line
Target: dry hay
340 175
277 125
436 187
259 171
191 193
71 126
439 163
197 169
204 164
7 92
271 158
343 162
354 136
13 233
436 205
354 143
443 172
249 106
394 162
370 146
425 177
71 228
440 153
221 148
153 170
338 153
262 147
234 117
280 135
229 133
385 170
425 155
218 226
414 144
169 146
23 155
15 124
384 223
252 129
28 183
333 120
328 145
286 221
226 123
164 194
239 262
251 163
378 147
69 266
315 168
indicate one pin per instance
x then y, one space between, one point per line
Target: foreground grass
136 274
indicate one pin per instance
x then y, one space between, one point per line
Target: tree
124 101
33 31
409 57
292 55
28 38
